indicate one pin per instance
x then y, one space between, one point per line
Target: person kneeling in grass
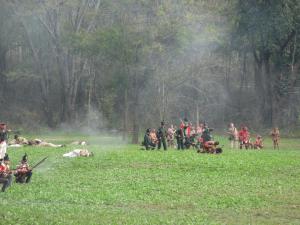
5 173
258 144
147 143
23 172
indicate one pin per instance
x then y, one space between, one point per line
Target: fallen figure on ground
18 142
39 142
78 153
211 147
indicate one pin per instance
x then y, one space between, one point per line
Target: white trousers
3 147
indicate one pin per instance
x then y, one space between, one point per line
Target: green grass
125 185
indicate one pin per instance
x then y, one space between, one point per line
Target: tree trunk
268 112
135 114
125 115
2 76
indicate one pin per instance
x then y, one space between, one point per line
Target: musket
40 162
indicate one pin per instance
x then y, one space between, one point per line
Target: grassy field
124 185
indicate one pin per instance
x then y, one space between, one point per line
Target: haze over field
127 65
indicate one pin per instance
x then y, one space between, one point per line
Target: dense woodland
128 64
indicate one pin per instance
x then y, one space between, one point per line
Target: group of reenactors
187 136
22 173
242 138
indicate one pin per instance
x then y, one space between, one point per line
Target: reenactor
3 131
153 137
161 136
170 137
39 142
233 136
206 135
23 171
244 138
275 137
179 138
5 173
79 153
258 144
147 141
3 139
211 147
18 141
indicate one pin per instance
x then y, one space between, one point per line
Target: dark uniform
24 172
3 132
161 135
179 138
206 136
147 141
3 135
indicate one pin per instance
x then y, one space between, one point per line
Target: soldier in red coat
23 172
244 138
5 174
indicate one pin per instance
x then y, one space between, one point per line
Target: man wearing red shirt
24 172
244 137
5 175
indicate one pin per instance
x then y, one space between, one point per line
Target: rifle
40 162
36 165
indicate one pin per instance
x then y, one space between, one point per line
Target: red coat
3 168
244 135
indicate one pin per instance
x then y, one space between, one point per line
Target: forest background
127 65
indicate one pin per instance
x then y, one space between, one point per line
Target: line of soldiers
243 138
22 173
186 137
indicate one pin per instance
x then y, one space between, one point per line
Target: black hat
162 123
6 158
24 158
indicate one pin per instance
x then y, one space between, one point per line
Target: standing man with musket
161 135
179 138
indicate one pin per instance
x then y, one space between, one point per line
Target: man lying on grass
39 142
211 147
78 153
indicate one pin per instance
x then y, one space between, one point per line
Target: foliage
139 62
